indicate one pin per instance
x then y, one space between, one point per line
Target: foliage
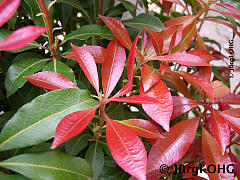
156 101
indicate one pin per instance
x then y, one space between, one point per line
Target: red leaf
170 149
118 30
150 76
228 7
232 112
72 124
182 105
22 37
149 50
88 66
182 58
236 162
214 156
50 80
130 66
7 9
220 129
139 99
231 99
127 149
180 4
202 53
205 72
235 16
160 112
200 42
166 6
143 41
201 85
157 41
113 66
97 52
186 20
142 127
220 90
234 122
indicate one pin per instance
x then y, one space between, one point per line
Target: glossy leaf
170 149
97 52
22 37
71 125
130 66
88 31
143 41
88 66
205 73
144 21
142 127
113 66
182 105
157 41
139 99
235 16
7 10
183 20
131 8
50 80
28 126
234 122
95 157
232 112
49 165
16 72
150 76
127 149
214 156
236 162
228 7
12 177
231 99
201 85
220 90
203 54
220 129
160 112
183 59
118 30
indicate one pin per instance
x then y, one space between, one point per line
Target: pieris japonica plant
86 95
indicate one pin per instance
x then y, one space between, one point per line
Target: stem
49 26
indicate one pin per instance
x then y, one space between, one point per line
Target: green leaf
130 7
11 177
4 33
61 68
77 143
144 20
95 157
88 31
36 121
49 165
24 66
116 11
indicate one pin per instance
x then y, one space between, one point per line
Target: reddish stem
49 25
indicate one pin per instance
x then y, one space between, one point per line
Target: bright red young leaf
160 112
7 9
214 156
118 30
88 66
50 80
143 41
157 41
170 149
200 42
234 122
182 105
149 50
232 112
180 4
220 129
183 59
113 66
143 128
220 89
127 149
228 7
177 82
202 53
139 99
235 16
230 99
183 20
149 76
130 66
97 52
72 124
22 37
167 5
205 73
236 162
202 86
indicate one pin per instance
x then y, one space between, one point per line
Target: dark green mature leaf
130 7
77 143
23 67
61 68
88 31
36 121
95 158
116 11
11 177
49 165
144 20
4 33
